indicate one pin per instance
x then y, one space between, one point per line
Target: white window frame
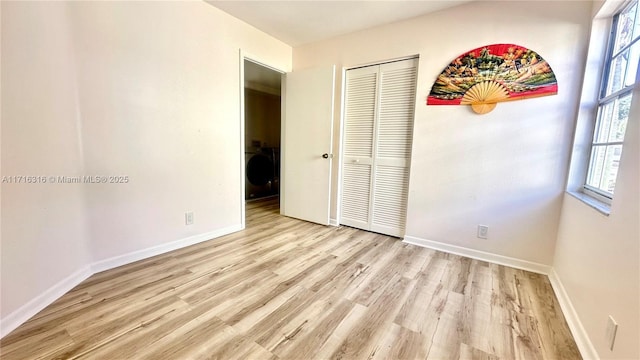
604 99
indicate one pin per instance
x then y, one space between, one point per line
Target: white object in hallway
307 135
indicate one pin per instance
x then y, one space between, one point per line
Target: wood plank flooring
288 289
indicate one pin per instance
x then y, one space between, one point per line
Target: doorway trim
243 55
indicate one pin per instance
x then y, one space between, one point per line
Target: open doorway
262 129
301 178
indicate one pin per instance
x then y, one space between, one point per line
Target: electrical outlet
483 231
612 329
188 218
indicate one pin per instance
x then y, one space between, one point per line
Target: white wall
506 169
44 226
161 103
262 118
597 257
148 90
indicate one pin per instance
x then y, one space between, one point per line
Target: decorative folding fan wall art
491 74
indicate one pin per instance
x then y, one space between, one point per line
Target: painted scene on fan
519 72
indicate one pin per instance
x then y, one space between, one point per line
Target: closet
377 134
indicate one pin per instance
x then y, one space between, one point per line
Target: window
614 103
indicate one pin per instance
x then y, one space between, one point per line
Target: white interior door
357 158
307 139
392 144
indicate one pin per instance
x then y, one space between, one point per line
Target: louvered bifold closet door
357 168
393 146
379 109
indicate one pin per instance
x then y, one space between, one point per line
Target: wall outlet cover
483 231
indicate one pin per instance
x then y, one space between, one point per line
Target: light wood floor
289 289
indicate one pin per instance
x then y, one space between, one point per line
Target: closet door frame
341 145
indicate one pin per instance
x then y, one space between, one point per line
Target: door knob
325 156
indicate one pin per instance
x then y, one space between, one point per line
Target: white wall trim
587 350
479 255
28 310
243 176
137 255
334 222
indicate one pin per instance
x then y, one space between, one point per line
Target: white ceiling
302 22
260 78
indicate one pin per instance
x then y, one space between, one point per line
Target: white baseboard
137 255
28 310
334 222
587 350
479 255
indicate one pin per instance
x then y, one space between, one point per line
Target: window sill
600 206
